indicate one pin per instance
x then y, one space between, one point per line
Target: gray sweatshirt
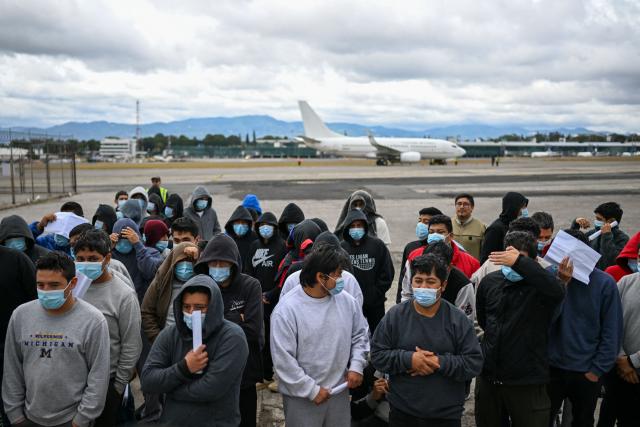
56 368
314 341
449 334
629 288
119 305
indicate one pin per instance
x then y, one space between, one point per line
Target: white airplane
385 150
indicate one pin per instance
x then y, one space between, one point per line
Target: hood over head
369 203
290 214
251 201
352 216
266 218
221 247
132 210
174 201
320 223
157 200
215 311
630 250
141 191
198 193
369 210
124 223
240 213
512 202
106 214
304 234
15 226
328 238
154 231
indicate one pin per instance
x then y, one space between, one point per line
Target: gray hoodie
210 398
207 220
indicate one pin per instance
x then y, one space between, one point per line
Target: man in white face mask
446 352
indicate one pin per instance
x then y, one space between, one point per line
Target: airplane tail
314 127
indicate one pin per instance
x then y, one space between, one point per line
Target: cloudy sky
413 64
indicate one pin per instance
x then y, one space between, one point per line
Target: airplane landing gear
383 162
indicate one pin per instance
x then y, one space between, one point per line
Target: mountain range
264 125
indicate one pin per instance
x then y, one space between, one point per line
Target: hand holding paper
82 285
583 257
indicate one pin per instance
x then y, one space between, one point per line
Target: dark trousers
398 418
625 399
582 393
109 415
267 361
248 406
373 315
607 416
526 405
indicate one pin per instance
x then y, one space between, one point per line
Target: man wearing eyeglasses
468 230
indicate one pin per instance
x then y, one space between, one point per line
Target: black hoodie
493 240
243 242
106 214
371 260
209 398
15 226
292 214
174 201
266 255
242 301
328 238
369 210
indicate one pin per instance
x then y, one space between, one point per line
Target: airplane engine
410 157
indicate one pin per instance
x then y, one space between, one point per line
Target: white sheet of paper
196 320
338 389
64 223
584 258
81 287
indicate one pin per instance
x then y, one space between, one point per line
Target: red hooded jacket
630 251
461 260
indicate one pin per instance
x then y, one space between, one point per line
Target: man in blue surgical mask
56 354
441 349
242 297
118 302
611 239
239 228
515 306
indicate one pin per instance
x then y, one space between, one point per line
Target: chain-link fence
35 166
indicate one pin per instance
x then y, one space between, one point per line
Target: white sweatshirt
315 341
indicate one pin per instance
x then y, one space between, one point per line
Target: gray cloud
408 62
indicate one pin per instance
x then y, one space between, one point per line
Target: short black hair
155 179
121 193
429 264
57 261
185 224
431 211
197 290
525 224
578 235
323 259
465 196
609 210
93 240
522 241
442 219
543 219
79 229
72 207
440 249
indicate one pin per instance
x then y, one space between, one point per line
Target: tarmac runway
566 189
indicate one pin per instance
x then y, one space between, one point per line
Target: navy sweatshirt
586 333
450 335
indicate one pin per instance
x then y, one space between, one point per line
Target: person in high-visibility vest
158 189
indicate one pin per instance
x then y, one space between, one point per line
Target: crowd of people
205 315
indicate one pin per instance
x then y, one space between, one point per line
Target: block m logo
45 353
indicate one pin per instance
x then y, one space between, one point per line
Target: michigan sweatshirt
56 367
